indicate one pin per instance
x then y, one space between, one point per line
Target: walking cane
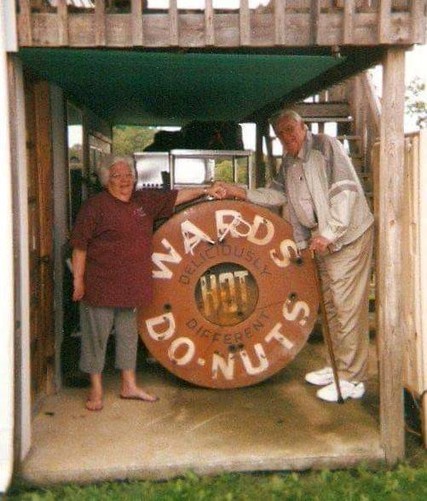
325 330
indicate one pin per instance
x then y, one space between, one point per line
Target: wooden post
26 32
269 147
418 22
390 260
209 24
244 23
314 22
348 21
62 22
259 157
384 21
173 24
100 36
137 33
279 22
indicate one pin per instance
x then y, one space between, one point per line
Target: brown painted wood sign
234 302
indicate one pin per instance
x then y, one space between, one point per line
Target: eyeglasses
121 176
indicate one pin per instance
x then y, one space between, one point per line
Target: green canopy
173 88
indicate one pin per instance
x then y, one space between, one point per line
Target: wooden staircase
354 108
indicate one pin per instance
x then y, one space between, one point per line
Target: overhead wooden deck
281 24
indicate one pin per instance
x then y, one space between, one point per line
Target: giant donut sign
234 301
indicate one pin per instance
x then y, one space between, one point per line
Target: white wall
6 276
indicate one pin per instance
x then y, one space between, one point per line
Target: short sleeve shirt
117 238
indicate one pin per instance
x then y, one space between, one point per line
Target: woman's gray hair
111 160
286 113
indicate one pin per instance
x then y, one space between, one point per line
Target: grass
407 481
402 483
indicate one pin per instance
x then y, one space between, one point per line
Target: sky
415 67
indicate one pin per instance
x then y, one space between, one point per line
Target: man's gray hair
109 161
286 113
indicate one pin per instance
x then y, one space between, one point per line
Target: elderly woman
111 244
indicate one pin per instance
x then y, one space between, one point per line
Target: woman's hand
79 289
216 191
231 190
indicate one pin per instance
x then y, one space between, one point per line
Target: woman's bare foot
131 391
94 405
137 394
94 400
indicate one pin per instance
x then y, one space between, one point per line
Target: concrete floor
276 425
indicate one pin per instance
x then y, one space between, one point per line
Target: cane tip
340 400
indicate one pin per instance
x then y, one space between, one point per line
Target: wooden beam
209 24
418 22
62 22
279 22
384 21
314 22
328 110
391 256
100 38
269 146
167 29
373 100
137 33
259 157
244 23
25 29
173 23
348 21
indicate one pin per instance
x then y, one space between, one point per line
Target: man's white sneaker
320 378
348 390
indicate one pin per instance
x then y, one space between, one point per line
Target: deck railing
281 23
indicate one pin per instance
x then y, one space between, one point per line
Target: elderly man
111 260
330 215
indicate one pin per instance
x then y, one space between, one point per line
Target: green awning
165 88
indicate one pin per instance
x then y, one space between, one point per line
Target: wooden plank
173 24
279 21
137 33
373 101
81 30
314 22
25 32
329 110
62 22
418 22
226 26
422 159
209 24
348 21
390 260
384 21
272 165
413 355
100 36
244 23
118 30
259 157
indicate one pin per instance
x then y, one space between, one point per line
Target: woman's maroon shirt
117 237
